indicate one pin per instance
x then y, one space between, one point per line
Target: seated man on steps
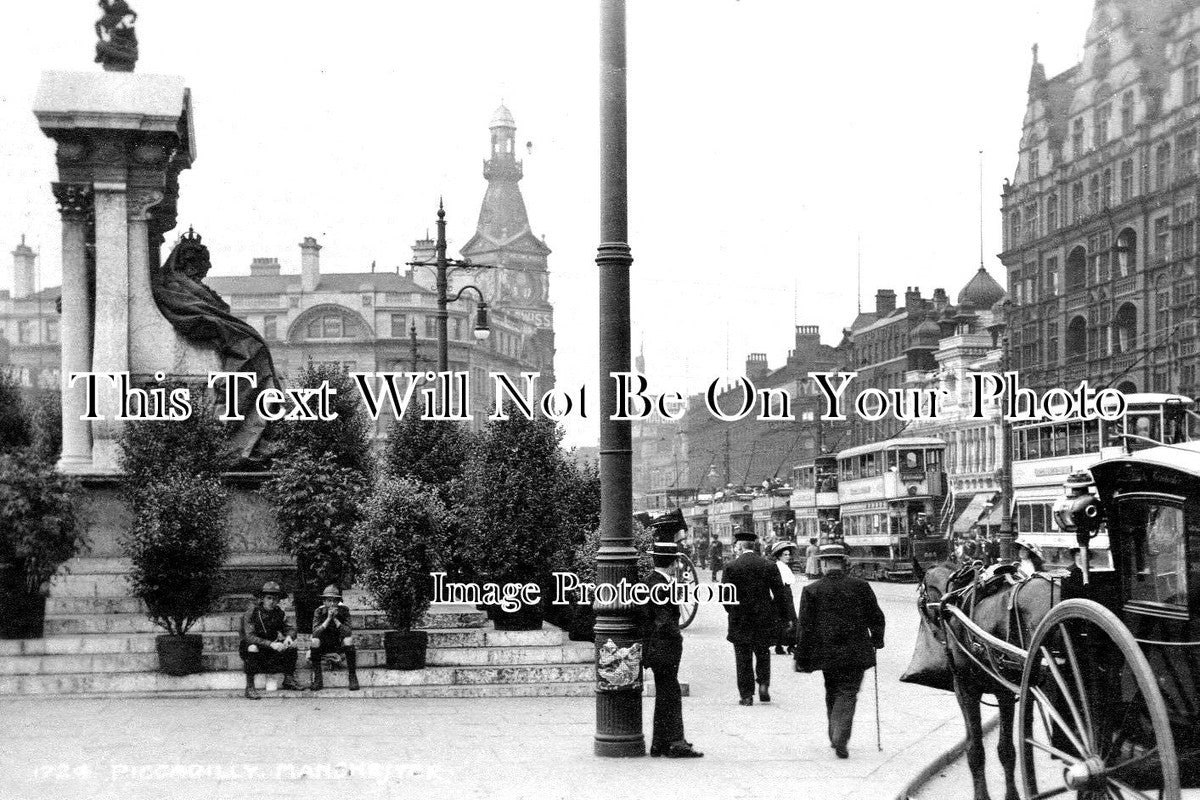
268 642
331 633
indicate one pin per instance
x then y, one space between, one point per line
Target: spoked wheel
1091 713
685 574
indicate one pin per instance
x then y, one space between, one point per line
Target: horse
1010 614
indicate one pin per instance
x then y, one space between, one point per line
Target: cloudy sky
766 138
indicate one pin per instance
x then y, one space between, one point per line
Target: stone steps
135 622
147 660
434 681
331 692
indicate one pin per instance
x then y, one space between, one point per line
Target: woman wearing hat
331 633
811 569
1029 558
782 553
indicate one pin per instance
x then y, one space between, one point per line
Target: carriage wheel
685 573
1090 702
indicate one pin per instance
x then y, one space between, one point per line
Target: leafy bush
317 505
513 517
583 562
177 541
37 519
46 426
177 546
322 469
15 430
398 543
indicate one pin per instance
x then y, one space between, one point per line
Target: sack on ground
930 665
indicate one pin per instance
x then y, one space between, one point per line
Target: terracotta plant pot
180 655
405 649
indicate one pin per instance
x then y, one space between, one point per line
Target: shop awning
993 519
974 510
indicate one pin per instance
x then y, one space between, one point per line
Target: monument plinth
123 139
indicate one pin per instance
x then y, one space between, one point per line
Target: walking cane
878 733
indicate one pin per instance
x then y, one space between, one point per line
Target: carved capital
74 200
140 201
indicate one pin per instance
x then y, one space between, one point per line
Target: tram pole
1006 478
618 652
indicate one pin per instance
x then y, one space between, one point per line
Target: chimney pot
310 264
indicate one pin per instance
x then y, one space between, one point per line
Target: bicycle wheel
685 574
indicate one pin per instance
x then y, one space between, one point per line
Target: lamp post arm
458 295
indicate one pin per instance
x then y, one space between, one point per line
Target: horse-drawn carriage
1097 676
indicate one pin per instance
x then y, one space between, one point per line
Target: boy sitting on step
268 642
331 633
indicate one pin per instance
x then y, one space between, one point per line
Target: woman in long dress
811 570
782 552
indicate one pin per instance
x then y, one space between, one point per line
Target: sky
774 145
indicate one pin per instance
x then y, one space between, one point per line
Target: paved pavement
536 747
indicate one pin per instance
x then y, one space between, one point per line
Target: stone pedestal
123 139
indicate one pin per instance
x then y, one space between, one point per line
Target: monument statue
202 317
117 47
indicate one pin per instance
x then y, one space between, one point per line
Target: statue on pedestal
202 317
117 47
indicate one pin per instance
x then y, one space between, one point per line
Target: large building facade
375 321
1100 218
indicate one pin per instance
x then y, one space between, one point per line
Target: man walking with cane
840 627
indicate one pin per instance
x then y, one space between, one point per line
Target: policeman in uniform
839 630
755 619
662 645
268 641
331 633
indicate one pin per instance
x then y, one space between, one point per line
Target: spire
1037 73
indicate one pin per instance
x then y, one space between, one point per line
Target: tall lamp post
1003 337
618 691
443 266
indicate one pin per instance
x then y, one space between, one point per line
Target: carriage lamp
482 332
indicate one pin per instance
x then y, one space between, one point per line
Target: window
1185 219
1051 273
1034 170
332 326
1126 179
1076 201
1093 194
1077 138
1014 228
1052 344
1103 115
269 327
1106 189
1127 113
1126 251
1162 166
1031 215
52 331
1162 236
1186 154
1098 246
24 331
1076 269
1191 83
1051 213
430 327
1153 547
457 328
399 326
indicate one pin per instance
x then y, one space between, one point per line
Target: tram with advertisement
1045 453
730 514
814 500
772 513
889 493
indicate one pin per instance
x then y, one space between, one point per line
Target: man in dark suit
754 620
662 645
839 630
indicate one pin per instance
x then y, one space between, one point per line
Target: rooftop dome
981 291
927 330
503 118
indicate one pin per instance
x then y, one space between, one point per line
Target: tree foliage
177 542
15 429
399 542
37 517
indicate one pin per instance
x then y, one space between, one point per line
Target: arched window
1076 274
1124 328
328 322
1126 251
1076 340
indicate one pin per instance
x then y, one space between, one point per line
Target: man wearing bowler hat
755 618
331 633
268 641
662 644
839 630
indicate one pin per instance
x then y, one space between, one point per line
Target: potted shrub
177 546
397 545
177 541
516 507
38 533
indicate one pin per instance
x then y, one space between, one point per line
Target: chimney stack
264 266
912 299
756 366
424 252
940 299
310 264
885 302
22 270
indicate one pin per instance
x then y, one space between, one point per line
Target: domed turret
981 292
503 118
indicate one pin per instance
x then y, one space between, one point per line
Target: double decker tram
889 493
814 500
1046 453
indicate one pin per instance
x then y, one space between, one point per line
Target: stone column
151 337
75 329
110 351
